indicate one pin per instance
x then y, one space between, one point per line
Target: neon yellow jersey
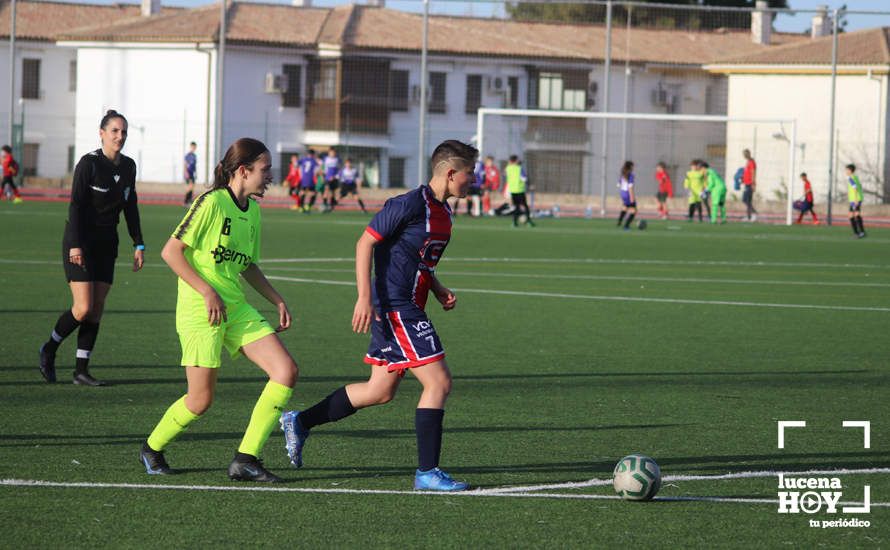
515 182
222 241
854 189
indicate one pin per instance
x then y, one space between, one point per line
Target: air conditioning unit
276 83
497 85
415 94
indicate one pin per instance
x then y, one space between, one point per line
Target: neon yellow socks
265 416
175 421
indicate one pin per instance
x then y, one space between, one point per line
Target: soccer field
573 344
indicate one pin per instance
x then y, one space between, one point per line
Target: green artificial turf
572 345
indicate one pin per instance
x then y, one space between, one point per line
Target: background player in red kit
808 199
406 239
492 183
292 181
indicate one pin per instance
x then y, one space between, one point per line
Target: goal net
564 152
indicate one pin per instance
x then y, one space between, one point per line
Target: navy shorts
402 340
348 189
856 206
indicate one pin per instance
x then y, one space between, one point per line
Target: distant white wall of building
49 119
861 123
163 92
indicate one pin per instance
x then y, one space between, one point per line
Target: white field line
587 261
668 479
611 298
505 492
612 278
620 261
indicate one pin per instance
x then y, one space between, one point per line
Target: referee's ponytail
243 152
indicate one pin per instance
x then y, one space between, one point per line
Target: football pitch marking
528 491
612 278
600 298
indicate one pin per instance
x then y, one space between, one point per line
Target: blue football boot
294 436
437 480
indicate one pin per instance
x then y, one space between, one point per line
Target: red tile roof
360 27
46 20
865 47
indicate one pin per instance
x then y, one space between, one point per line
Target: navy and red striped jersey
412 232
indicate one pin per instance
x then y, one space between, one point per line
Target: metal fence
822 68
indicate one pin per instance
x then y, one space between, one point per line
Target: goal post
562 144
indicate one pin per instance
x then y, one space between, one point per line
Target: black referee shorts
98 263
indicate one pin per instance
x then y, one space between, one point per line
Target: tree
661 15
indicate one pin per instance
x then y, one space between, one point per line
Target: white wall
163 94
250 112
861 121
49 120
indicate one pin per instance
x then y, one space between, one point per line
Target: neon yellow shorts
202 344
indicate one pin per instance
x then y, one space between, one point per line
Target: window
72 76
513 83
70 164
326 87
396 172
474 93
293 96
552 94
31 78
437 84
29 159
398 90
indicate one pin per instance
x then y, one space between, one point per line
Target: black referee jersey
100 191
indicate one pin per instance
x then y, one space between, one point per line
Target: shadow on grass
99 369
58 440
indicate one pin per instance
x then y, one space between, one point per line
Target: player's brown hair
243 152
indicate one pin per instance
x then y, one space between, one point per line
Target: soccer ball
641 225
636 477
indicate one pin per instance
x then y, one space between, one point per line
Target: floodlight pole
421 139
11 68
607 68
792 169
831 142
220 82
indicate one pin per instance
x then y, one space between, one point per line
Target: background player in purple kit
190 167
406 239
628 196
350 183
331 167
308 170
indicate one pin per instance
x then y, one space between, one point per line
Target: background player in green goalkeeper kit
854 194
717 189
216 242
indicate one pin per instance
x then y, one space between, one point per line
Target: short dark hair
456 153
663 165
514 158
193 144
851 167
627 168
803 174
7 149
243 152
110 114
703 164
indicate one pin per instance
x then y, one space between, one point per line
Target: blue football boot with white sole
294 436
437 480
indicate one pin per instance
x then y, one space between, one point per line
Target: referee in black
104 185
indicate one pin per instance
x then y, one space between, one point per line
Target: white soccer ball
636 477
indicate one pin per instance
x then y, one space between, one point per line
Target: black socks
65 325
86 339
332 408
428 425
